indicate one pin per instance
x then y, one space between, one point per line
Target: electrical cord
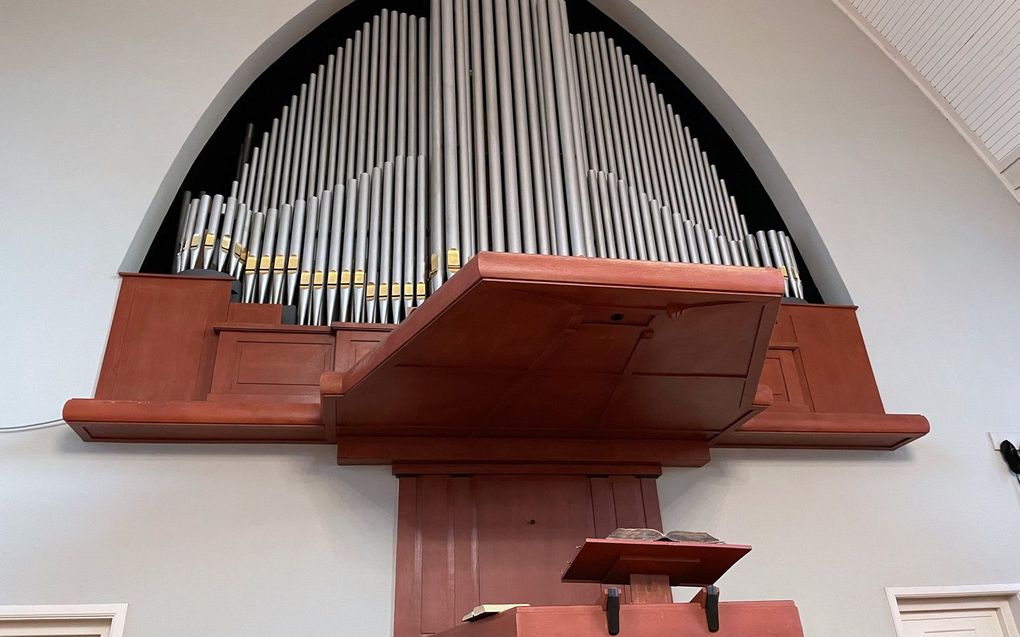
46 424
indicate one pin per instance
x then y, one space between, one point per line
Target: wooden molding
421 450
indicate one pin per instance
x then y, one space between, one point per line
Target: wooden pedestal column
506 536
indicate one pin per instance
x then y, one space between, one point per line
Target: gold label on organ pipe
317 280
331 277
453 259
345 277
249 263
210 239
306 277
782 269
421 288
408 289
195 238
359 277
370 291
292 263
225 242
279 262
264 263
433 265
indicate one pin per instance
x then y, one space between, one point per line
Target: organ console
486 126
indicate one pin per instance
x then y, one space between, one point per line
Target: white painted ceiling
966 55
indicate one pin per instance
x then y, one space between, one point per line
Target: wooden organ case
529 404
527 360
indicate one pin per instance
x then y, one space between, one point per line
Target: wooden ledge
417 450
271 329
779 429
568 469
193 421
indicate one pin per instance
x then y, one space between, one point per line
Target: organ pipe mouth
486 126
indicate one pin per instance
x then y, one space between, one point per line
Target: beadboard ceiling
965 54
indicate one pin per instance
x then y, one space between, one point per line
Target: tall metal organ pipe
486 126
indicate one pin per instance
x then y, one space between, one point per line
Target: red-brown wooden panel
407 618
278 363
824 391
650 496
519 344
784 375
630 502
736 619
438 568
528 527
410 449
160 345
827 431
834 360
354 341
255 313
686 563
193 421
784 333
464 540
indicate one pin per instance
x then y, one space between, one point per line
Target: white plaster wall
98 98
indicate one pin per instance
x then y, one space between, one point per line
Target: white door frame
116 613
1010 593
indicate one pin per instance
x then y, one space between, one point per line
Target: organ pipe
486 126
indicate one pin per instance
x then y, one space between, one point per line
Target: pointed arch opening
385 146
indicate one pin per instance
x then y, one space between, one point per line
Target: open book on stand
659 536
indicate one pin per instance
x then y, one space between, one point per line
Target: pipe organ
487 126
545 191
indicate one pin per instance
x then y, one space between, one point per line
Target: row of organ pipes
487 126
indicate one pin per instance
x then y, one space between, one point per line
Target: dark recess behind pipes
216 164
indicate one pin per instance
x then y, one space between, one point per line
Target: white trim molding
116 613
1006 594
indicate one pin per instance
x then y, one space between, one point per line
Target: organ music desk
529 403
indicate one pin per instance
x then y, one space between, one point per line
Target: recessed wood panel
355 341
784 374
271 363
527 530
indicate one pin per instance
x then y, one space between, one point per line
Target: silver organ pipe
487 126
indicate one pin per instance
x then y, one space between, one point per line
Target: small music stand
651 567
